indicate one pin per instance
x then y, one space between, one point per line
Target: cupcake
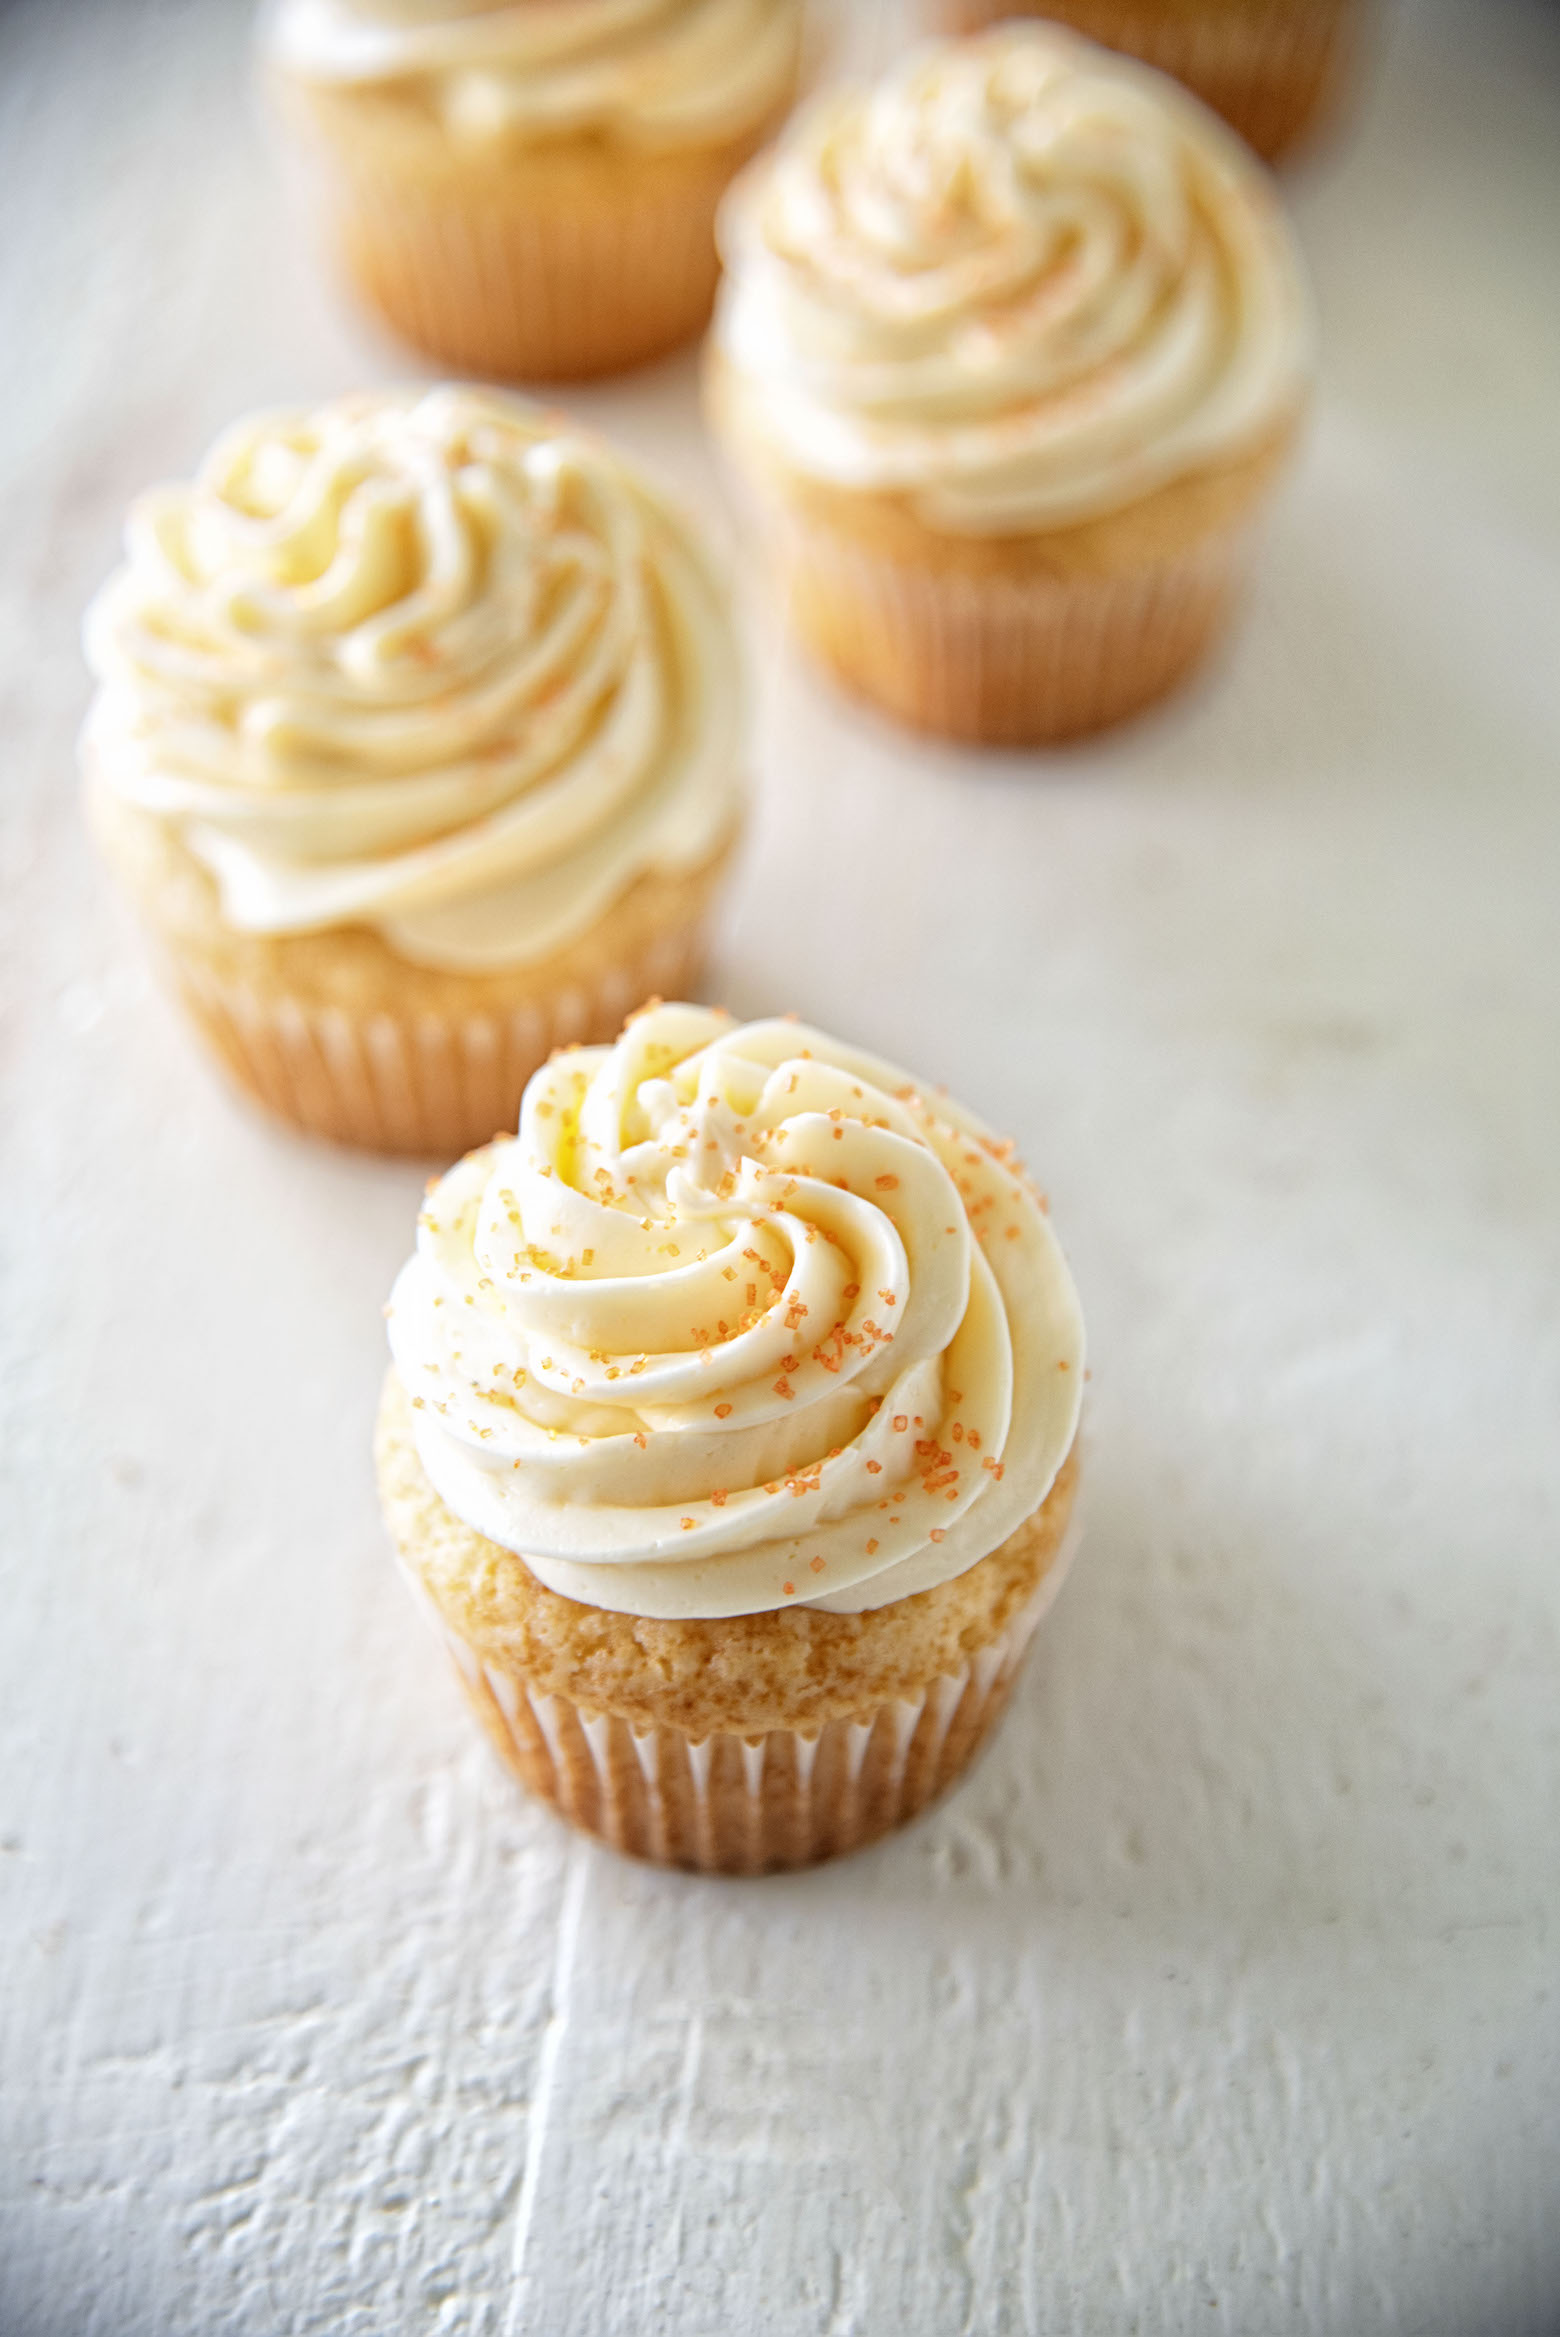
1273 68
530 190
416 745
1011 350
729 1440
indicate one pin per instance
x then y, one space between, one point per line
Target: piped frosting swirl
436 662
1022 281
739 1319
647 72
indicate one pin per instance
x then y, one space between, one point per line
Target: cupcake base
336 1035
1007 660
736 1804
1003 640
423 1081
1273 68
553 263
739 1747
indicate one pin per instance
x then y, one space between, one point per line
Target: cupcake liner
1007 660
498 280
416 1082
1272 68
736 1804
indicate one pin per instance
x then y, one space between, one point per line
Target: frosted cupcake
530 190
730 1437
416 744
1273 68
1012 348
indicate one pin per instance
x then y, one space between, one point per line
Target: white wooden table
1223 1999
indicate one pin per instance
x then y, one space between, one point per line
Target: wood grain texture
1222 1999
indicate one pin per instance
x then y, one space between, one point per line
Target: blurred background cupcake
1273 68
416 744
529 190
1011 349
730 1437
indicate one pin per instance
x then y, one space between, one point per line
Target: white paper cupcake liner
559 292
735 1804
417 1082
1001 659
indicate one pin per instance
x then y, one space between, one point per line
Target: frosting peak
739 1319
1022 280
432 661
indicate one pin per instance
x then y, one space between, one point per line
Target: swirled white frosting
1022 281
435 662
739 1320
646 71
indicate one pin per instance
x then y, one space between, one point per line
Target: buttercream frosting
1022 281
645 71
740 1319
432 661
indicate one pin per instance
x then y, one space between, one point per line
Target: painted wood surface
1224 1997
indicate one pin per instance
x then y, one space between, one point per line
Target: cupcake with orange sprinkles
730 1437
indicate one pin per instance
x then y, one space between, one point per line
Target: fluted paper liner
533 298
417 1082
1000 659
743 1805
555 262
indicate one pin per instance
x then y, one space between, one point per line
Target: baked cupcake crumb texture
1010 348
417 742
531 191
730 1436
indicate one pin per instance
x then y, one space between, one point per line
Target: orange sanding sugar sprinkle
687 1525
886 1184
901 1423
723 1411
874 1468
872 1548
816 1564
936 1535
788 1589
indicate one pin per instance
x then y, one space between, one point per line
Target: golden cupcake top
1021 281
649 72
741 1318
437 662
